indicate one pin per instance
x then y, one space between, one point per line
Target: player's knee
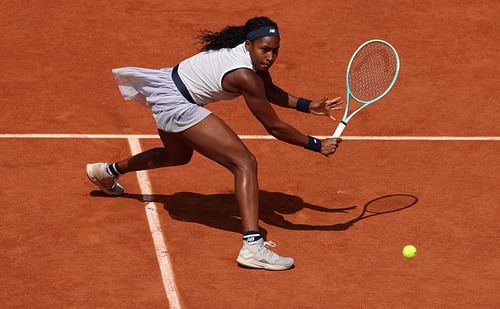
185 158
248 163
166 157
178 158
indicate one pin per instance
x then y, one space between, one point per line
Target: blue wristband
303 105
313 144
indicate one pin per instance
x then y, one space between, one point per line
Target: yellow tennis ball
409 251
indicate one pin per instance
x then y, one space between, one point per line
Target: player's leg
175 152
215 140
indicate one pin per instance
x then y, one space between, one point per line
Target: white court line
162 254
261 137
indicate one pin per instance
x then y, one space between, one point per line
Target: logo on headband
262 32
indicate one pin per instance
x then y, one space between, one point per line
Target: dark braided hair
231 36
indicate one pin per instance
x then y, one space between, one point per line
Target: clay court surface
431 145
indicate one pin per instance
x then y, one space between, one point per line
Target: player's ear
247 44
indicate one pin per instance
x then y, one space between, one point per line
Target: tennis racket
371 73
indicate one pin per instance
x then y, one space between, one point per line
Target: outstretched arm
280 97
253 90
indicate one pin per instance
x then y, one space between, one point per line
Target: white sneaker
97 173
258 256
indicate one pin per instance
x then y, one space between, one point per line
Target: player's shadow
221 211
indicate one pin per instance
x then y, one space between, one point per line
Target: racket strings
372 71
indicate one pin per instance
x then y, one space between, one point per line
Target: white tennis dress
201 75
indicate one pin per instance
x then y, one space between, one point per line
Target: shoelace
266 253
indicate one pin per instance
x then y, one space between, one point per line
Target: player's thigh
176 149
215 140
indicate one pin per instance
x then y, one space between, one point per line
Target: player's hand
325 107
329 146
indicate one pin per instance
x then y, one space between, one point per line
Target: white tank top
203 73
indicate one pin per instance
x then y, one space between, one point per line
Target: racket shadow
221 210
383 205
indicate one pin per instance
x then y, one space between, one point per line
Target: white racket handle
339 130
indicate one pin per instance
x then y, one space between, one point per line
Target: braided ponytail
232 36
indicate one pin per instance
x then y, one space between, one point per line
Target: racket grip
339 130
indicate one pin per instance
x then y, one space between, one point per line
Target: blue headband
262 32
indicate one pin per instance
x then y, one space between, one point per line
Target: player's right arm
252 88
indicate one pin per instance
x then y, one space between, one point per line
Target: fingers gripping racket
371 73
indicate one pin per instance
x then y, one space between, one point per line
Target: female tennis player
232 62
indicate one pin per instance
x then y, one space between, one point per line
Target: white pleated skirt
156 90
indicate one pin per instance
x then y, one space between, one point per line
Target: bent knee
168 157
247 163
184 159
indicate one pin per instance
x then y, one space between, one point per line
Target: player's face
263 52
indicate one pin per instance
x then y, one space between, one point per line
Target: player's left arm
280 97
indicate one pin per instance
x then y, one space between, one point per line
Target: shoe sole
97 183
261 265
